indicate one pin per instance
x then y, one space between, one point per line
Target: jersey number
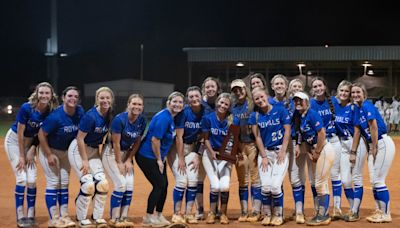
276 136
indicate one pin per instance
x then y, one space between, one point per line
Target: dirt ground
142 189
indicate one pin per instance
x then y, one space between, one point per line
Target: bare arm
208 145
44 145
320 140
180 150
373 128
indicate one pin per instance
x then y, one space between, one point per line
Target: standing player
381 150
394 115
151 158
279 84
323 105
84 157
271 128
351 164
55 136
320 152
246 169
127 128
183 158
215 126
20 145
257 80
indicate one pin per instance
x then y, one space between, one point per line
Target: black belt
273 148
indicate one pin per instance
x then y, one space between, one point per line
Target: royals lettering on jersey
95 126
191 123
31 118
241 112
217 129
162 127
344 119
271 125
62 128
130 132
324 111
366 113
310 124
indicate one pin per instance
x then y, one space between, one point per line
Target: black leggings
159 182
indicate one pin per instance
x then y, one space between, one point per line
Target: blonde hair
104 89
341 84
34 97
283 77
134 95
217 82
291 83
362 86
250 104
173 95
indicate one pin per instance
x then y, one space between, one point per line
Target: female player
257 80
21 149
246 169
381 150
323 105
127 128
351 165
271 128
215 126
152 154
184 159
84 157
55 136
320 152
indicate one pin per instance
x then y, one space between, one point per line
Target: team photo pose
246 168
215 126
85 159
381 150
152 155
184 158
20 146
271 128
323 105
321 155
127 129
55 136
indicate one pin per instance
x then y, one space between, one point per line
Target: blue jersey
130 132
344 119
62 128
217 129
208 108
271 125
31 118
366 113
242 113
162 127
324 111
95 126
191 124
310 124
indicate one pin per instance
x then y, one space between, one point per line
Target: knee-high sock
358 195
278 204
51 196
298 196
349 196
115 204
19 200
31 199
178 197
382 194
337 193
224 202
244 199
190 197
213 202
267 202
63 201
257 199
323 204
125 204
199 198
315 196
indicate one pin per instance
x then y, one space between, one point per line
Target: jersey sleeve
205 124
50 124
252 119
285 118
117 126
370 111
236 121
161 124
87 123
316 122
23 114
180 120
143 125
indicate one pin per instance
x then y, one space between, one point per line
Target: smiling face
318 88
300 104
223 105
239 92
256 83
194 98
104 100
296 87
71 98
175 105
279 86
135 106
44 94
210 88
344 93
357 94
260 98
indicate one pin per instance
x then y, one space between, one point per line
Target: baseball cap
237 83
301 95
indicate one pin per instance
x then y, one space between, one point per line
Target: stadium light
240 64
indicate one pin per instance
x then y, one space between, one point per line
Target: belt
93 146
345 138
274 148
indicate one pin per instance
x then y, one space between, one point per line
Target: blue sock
323 204
127 198
266 202
256 192
298 196
62 196
115 201
19 198
200 187
177 197
244 193
349 195
382 194
214 201
358 195
337 193
31 198
51 199
190 194
278 200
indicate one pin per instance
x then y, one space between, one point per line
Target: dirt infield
142 189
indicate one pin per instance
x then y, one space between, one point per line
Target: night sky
102 38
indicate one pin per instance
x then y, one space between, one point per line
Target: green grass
4 126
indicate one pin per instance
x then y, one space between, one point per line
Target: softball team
331 135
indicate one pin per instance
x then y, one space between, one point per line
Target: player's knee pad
101 182
87 184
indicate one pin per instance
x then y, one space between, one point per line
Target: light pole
141 61
300 66
366 65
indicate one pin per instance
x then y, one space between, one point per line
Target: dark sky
102 38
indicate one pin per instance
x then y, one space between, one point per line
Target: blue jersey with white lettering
191 124
217 129
31 118
241 112
162 127
310 124
271 125
208 108
95 126
62 128
324 111
130 132
344 119
366 113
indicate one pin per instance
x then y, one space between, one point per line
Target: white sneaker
67 221
56 222
379 217
151 221
177 219
163 220
101 223
86 223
